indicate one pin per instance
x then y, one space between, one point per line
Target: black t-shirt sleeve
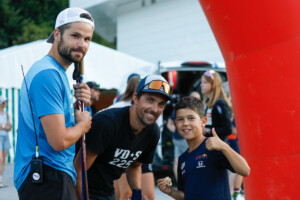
148 153
100 134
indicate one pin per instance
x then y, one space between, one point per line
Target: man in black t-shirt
121 139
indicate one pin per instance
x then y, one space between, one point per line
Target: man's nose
81 42
155 107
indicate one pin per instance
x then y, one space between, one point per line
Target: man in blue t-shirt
202 169
47 131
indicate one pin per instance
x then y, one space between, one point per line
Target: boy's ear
204 121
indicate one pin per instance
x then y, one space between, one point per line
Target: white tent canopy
106 66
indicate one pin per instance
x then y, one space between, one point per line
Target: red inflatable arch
260 43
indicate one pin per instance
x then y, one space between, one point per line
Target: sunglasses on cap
209 74
157 85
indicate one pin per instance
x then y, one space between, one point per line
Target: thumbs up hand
214 142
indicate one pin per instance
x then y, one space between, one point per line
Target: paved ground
10 193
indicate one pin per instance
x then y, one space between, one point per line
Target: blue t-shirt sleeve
46 93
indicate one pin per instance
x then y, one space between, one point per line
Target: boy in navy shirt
202 169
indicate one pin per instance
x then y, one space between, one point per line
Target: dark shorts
57 185
234 145
146 168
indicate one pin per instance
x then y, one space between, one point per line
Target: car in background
183 77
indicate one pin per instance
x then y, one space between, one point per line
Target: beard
66 52
143 119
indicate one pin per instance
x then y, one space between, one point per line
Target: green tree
11 23
25 21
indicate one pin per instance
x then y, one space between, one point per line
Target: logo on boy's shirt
201 156
200 164
182 165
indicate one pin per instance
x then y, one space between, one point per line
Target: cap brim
158 91
51 38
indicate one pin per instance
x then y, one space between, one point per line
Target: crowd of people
120 140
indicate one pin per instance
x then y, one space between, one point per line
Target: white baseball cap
70 15
3 99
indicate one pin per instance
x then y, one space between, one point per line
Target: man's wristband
136 194
3 126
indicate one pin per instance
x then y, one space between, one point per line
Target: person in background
202 169
119 97
5 126
121 139
126 99
235 180
95 95
49 126
218 106
195 94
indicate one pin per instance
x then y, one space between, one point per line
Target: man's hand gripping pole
78 76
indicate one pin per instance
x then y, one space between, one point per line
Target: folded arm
61 137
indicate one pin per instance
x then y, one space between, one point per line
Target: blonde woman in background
218 106
5 126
